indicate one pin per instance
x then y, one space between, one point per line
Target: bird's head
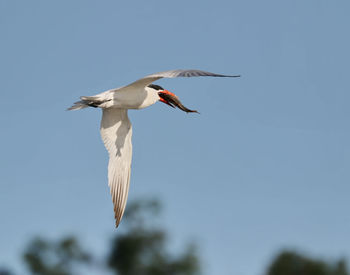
170 98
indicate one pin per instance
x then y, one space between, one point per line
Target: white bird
116 128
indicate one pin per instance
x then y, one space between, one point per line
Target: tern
116 130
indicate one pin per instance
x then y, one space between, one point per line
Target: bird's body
116 130
124 98
138 98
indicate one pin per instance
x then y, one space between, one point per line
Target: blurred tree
4 271
292 263
141 250
44 257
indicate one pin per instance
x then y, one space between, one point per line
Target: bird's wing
174 73
116 134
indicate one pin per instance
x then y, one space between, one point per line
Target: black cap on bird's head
170 98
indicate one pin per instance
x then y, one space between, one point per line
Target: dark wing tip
225 75
190 73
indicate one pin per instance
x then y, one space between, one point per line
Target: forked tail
87 101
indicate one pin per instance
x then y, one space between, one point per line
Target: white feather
116 132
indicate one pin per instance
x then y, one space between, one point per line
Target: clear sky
265 166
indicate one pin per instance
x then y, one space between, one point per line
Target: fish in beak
172 100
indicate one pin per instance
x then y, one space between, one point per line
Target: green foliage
291 263
44 257
142 249
4 271
137 249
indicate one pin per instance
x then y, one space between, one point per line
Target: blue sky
265 166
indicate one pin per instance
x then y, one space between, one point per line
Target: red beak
172 100
162 98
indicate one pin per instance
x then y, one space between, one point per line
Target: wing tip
224 75
118 215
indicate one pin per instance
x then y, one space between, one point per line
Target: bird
116 129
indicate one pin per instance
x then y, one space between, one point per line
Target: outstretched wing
174 73
116 134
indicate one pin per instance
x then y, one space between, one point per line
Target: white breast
131 98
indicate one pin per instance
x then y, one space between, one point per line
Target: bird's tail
78 105
86 101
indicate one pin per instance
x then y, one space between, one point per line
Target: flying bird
116 130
